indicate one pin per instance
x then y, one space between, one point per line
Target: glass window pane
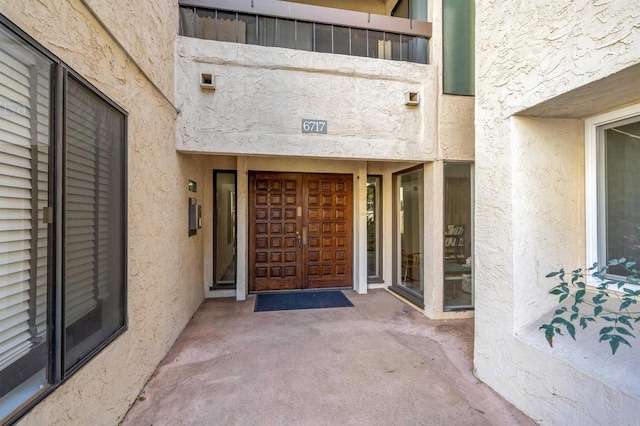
622 195
393 40
458 291
225 231
226 26
287 33
94 223
304 36
341 40
376 44
410 227
247 29
358 42
374 222
266 31
458 50
206 24
25 96
323 39
187 22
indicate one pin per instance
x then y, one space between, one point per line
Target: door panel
300 231
275 255
328 251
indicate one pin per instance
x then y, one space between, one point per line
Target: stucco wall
530 196
146 29
262 93
165 267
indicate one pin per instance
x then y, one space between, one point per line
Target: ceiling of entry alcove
378 7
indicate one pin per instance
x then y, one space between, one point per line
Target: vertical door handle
299 237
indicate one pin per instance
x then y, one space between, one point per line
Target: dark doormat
301 300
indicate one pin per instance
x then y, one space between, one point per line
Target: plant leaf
580 296
625 320
614 343
606 330
564 296
597 310
624 331
572 330
627 302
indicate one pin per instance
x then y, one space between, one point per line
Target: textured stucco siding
165 267
146 29
263 93
530 208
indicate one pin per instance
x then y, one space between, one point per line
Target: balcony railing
303 27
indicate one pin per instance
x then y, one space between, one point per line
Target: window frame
397 256
595 234
55 369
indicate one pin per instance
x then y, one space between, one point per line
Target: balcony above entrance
306 27
239 95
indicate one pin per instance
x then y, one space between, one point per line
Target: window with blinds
24 192
80 207
93 221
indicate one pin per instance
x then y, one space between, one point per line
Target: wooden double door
300 231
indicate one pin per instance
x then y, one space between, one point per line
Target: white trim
591 176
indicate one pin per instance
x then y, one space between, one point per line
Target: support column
242 230
360 229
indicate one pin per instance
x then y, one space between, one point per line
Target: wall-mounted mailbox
193 216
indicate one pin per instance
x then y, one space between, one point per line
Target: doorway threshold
408 302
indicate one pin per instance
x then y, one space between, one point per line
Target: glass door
409 234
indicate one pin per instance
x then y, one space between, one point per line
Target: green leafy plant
610 304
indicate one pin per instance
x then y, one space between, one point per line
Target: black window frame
56 374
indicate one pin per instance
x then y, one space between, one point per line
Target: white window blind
81 211
24 121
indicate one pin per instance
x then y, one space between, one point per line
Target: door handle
299 237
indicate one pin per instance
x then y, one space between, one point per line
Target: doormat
301 300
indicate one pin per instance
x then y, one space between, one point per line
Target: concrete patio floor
378 363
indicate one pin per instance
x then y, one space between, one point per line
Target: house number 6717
314 126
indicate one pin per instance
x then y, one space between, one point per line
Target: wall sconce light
411 98
207 81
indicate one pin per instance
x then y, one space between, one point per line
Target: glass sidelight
409 234
374 231
224 233
458 220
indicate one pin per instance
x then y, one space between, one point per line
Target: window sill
589 357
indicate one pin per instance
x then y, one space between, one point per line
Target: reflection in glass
410 226
458 283
94 223
225 231
621 207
